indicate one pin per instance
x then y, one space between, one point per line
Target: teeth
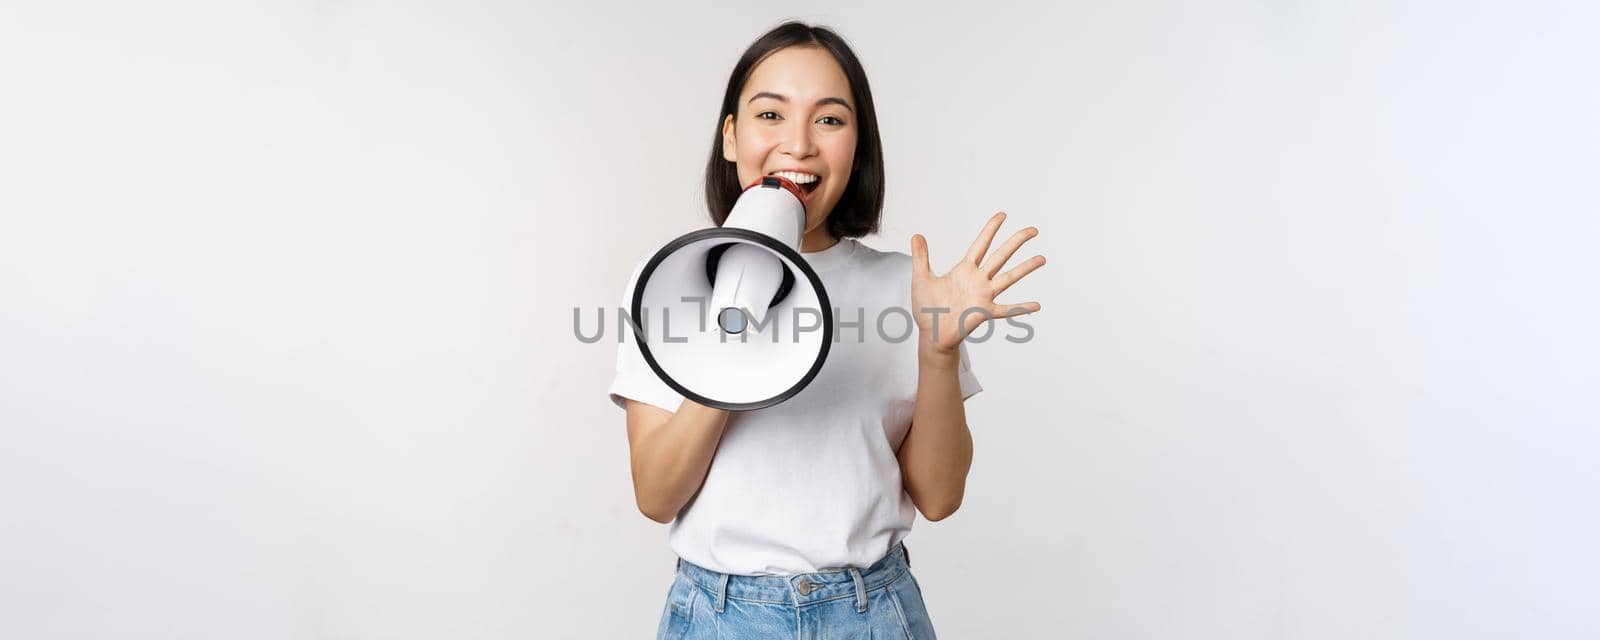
797 178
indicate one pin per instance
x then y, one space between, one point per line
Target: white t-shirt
811 483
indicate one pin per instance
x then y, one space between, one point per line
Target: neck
816 240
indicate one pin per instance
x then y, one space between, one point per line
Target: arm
670 453
937 452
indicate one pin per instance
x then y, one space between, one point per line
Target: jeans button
807 586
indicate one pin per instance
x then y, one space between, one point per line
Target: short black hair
860 207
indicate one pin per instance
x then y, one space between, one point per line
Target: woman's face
795 114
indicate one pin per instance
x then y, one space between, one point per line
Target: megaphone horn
746 278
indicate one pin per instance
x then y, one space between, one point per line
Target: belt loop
907 551
722 592
861 590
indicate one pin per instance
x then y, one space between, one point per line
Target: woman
788 520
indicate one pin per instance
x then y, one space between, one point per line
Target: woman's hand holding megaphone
940 304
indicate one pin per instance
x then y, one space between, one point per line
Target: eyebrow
782 98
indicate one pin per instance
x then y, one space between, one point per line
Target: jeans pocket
907 597
679 610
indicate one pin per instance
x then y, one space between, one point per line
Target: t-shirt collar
832 256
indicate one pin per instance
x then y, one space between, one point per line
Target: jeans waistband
801 588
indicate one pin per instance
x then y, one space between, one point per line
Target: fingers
980 245
1005 280
919 256
997 260
1009 310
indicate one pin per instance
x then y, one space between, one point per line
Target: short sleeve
969 381
634 378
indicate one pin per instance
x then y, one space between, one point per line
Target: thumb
919 256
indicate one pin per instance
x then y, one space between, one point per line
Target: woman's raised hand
941 303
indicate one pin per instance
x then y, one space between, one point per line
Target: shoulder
633 275
882 277
870 258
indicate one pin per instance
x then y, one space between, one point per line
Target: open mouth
807 182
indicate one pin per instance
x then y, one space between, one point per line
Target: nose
798 141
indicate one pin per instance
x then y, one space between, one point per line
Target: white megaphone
733 317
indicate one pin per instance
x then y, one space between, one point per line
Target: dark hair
859 208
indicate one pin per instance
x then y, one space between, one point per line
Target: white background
286 291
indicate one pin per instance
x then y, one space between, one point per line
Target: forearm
670 463
937 452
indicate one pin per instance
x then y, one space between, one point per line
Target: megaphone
733 317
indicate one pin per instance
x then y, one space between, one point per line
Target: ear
730 146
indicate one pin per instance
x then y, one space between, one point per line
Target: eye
763 115
836 121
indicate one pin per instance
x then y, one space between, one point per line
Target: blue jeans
881 601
